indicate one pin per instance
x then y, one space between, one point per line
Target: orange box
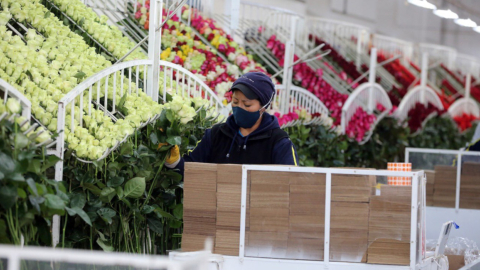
399 180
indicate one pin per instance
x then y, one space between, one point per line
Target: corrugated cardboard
351 188
267 245
269 190
227 242
455 262
349 231
192 242
269 219
389 219
305 249
389 251
471 168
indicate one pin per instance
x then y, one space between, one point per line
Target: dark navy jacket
223 143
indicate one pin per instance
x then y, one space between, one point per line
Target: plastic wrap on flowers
458 246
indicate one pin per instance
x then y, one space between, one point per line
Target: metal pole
457 190
243 213
59 167
423 80
328 201
413 222
468 85
371 79
235 14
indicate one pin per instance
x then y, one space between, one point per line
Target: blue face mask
245 119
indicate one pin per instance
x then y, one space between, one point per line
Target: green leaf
82 215
8 196
20 140
126 149
36 201
160 213
174 224
54 202
119 191
178 211
21 193
7 165
106 214
175 140
94 189
77 200
70 211
82 21
147 209
35 166
80 75
107 194
135 187
154 138
47 14
155 225
104 246
50 161
16 177
32 187
115 181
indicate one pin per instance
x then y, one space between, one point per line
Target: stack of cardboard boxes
470 186
286 215
389 226
445 186
200 205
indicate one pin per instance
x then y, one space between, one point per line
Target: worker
249 136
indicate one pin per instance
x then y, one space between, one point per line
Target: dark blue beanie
259 83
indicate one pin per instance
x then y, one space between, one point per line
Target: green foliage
28 199
133 202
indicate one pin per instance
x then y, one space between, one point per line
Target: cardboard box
307 226
227 242
193 242
471 168
269 192
455 262
269 219
267 245
349 231
389 251
351 188
305 249
389 218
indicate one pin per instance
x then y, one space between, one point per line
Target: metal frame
418 206
15 255
365 96
421 93
10 91
466 104
459 153
392 47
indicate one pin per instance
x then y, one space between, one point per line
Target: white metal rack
300 98
10 91
467 218
421 93
17 258
418 259
393 47
367 96
466 104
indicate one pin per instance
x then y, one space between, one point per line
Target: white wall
394 18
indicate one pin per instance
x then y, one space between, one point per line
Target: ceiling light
445 13
465 22
422 3
477 29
